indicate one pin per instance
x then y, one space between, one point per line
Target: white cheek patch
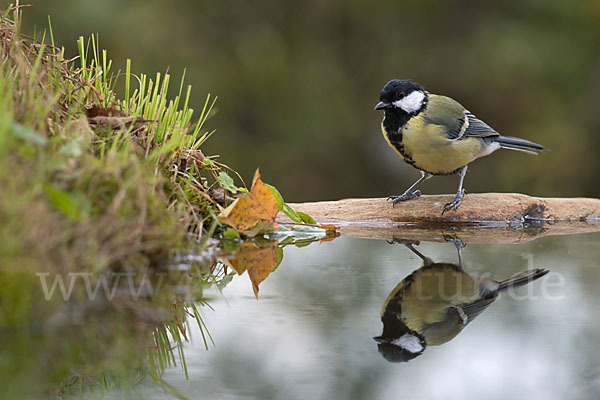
409 342
412 102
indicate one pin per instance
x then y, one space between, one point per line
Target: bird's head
401 349
402 95
397 342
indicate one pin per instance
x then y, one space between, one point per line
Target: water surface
310 332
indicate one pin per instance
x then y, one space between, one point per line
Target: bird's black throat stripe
393 122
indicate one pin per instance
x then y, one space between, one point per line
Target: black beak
380 339
381 105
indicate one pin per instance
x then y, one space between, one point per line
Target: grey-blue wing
477 128
471 126
475 308
455 318
458 122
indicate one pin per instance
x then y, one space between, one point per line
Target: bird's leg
410 244
410 193
460 194
426 260
459 244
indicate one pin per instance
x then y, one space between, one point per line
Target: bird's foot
405 242
455 240
459 244
455 202
404 196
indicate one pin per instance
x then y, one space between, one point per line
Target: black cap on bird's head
404 95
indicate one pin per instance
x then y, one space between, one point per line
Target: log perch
482 217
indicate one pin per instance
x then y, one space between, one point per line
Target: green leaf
231 233
277 195
279 252
288 239
295 216
298 216
225 281
289 211
208 162
303 244
231 245
67 203
227 182
231 240
307 219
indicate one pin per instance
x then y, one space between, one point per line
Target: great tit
433 304
437 135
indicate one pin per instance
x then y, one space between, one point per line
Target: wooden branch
482 217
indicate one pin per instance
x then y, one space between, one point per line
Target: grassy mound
89 181
93 183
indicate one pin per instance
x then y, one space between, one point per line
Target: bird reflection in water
433 304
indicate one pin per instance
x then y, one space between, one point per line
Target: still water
309 334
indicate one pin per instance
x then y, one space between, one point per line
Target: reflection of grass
92 195
127 342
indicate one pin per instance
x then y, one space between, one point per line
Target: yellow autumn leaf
258 261
254 212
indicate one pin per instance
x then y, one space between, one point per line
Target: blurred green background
297 82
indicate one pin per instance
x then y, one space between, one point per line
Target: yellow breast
432 151
430 296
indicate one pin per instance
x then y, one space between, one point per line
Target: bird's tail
513 143
522 279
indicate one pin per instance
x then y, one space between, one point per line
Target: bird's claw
455 202
459 244
404 197
455 240
405 242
